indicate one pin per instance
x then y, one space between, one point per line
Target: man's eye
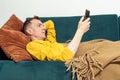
39 25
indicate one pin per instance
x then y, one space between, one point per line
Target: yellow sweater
49 49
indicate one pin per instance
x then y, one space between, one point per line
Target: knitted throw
96 60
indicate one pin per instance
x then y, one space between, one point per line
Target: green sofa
102 27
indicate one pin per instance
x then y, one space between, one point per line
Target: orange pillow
13 41
13 23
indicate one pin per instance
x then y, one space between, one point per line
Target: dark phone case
87 14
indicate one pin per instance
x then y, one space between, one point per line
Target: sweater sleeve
51 34
43 50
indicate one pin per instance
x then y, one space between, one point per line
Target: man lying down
91 60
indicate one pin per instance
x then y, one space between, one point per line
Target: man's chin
44 37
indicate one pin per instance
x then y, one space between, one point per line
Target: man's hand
84 26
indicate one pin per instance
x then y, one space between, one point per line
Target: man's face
38 29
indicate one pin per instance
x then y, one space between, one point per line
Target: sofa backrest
119 25
2 55
102 27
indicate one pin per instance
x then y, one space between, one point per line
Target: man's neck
34 38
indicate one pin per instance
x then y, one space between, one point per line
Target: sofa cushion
32 70
102 27
13 23
13 41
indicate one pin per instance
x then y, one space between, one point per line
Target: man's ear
29 31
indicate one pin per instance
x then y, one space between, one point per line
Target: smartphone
87 14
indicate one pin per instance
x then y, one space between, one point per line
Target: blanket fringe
82 67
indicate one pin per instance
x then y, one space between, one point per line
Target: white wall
26 8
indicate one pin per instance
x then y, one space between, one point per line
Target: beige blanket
96 60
